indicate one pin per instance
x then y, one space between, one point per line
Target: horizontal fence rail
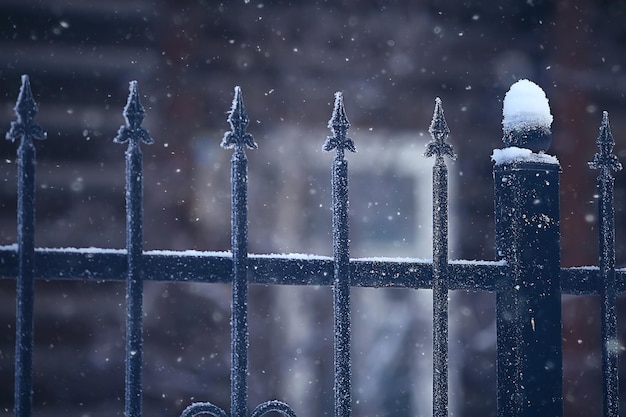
527 276
216 268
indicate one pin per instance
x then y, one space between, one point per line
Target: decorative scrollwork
134 114
25 110
197 409
439 131
277 406
339 125
604 159
238 120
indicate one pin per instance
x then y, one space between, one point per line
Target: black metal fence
527 277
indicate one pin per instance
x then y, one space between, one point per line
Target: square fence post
528 303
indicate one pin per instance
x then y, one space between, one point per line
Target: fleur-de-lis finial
238 121
605 159
439 132
339 125
134 114
25 110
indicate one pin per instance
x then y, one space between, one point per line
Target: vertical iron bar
134 282
439 132
440 290
239 382
339 125
25 129
341 286
605 161
133 133
238 139
25 281
608 298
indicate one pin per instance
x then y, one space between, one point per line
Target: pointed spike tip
133 111
339 118
605 118
237 110
605 136
439 132
438 126
237 99
134 114
339 125
25 107
25 110
238 120
25 88
605 158
133 91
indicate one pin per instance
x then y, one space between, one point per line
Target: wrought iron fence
527 277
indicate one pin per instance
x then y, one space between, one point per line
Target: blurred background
391 59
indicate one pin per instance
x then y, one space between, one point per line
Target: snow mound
515 154
525 107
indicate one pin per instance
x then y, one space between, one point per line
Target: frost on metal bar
439 148
133 134
238 139
26 130
339 125
605 161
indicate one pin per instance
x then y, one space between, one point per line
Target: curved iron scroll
269 406
197 409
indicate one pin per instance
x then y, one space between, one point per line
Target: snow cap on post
526 117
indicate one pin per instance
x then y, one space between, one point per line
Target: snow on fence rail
527 276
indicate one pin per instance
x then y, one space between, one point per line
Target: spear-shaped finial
134 114
238 121
605 159
439 132
25 110
339 125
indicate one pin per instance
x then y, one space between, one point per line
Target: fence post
528 304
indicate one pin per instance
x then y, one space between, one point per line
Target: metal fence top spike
339 119
134 114
339 125
238 120
439 131
25 110
604 158
25 107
